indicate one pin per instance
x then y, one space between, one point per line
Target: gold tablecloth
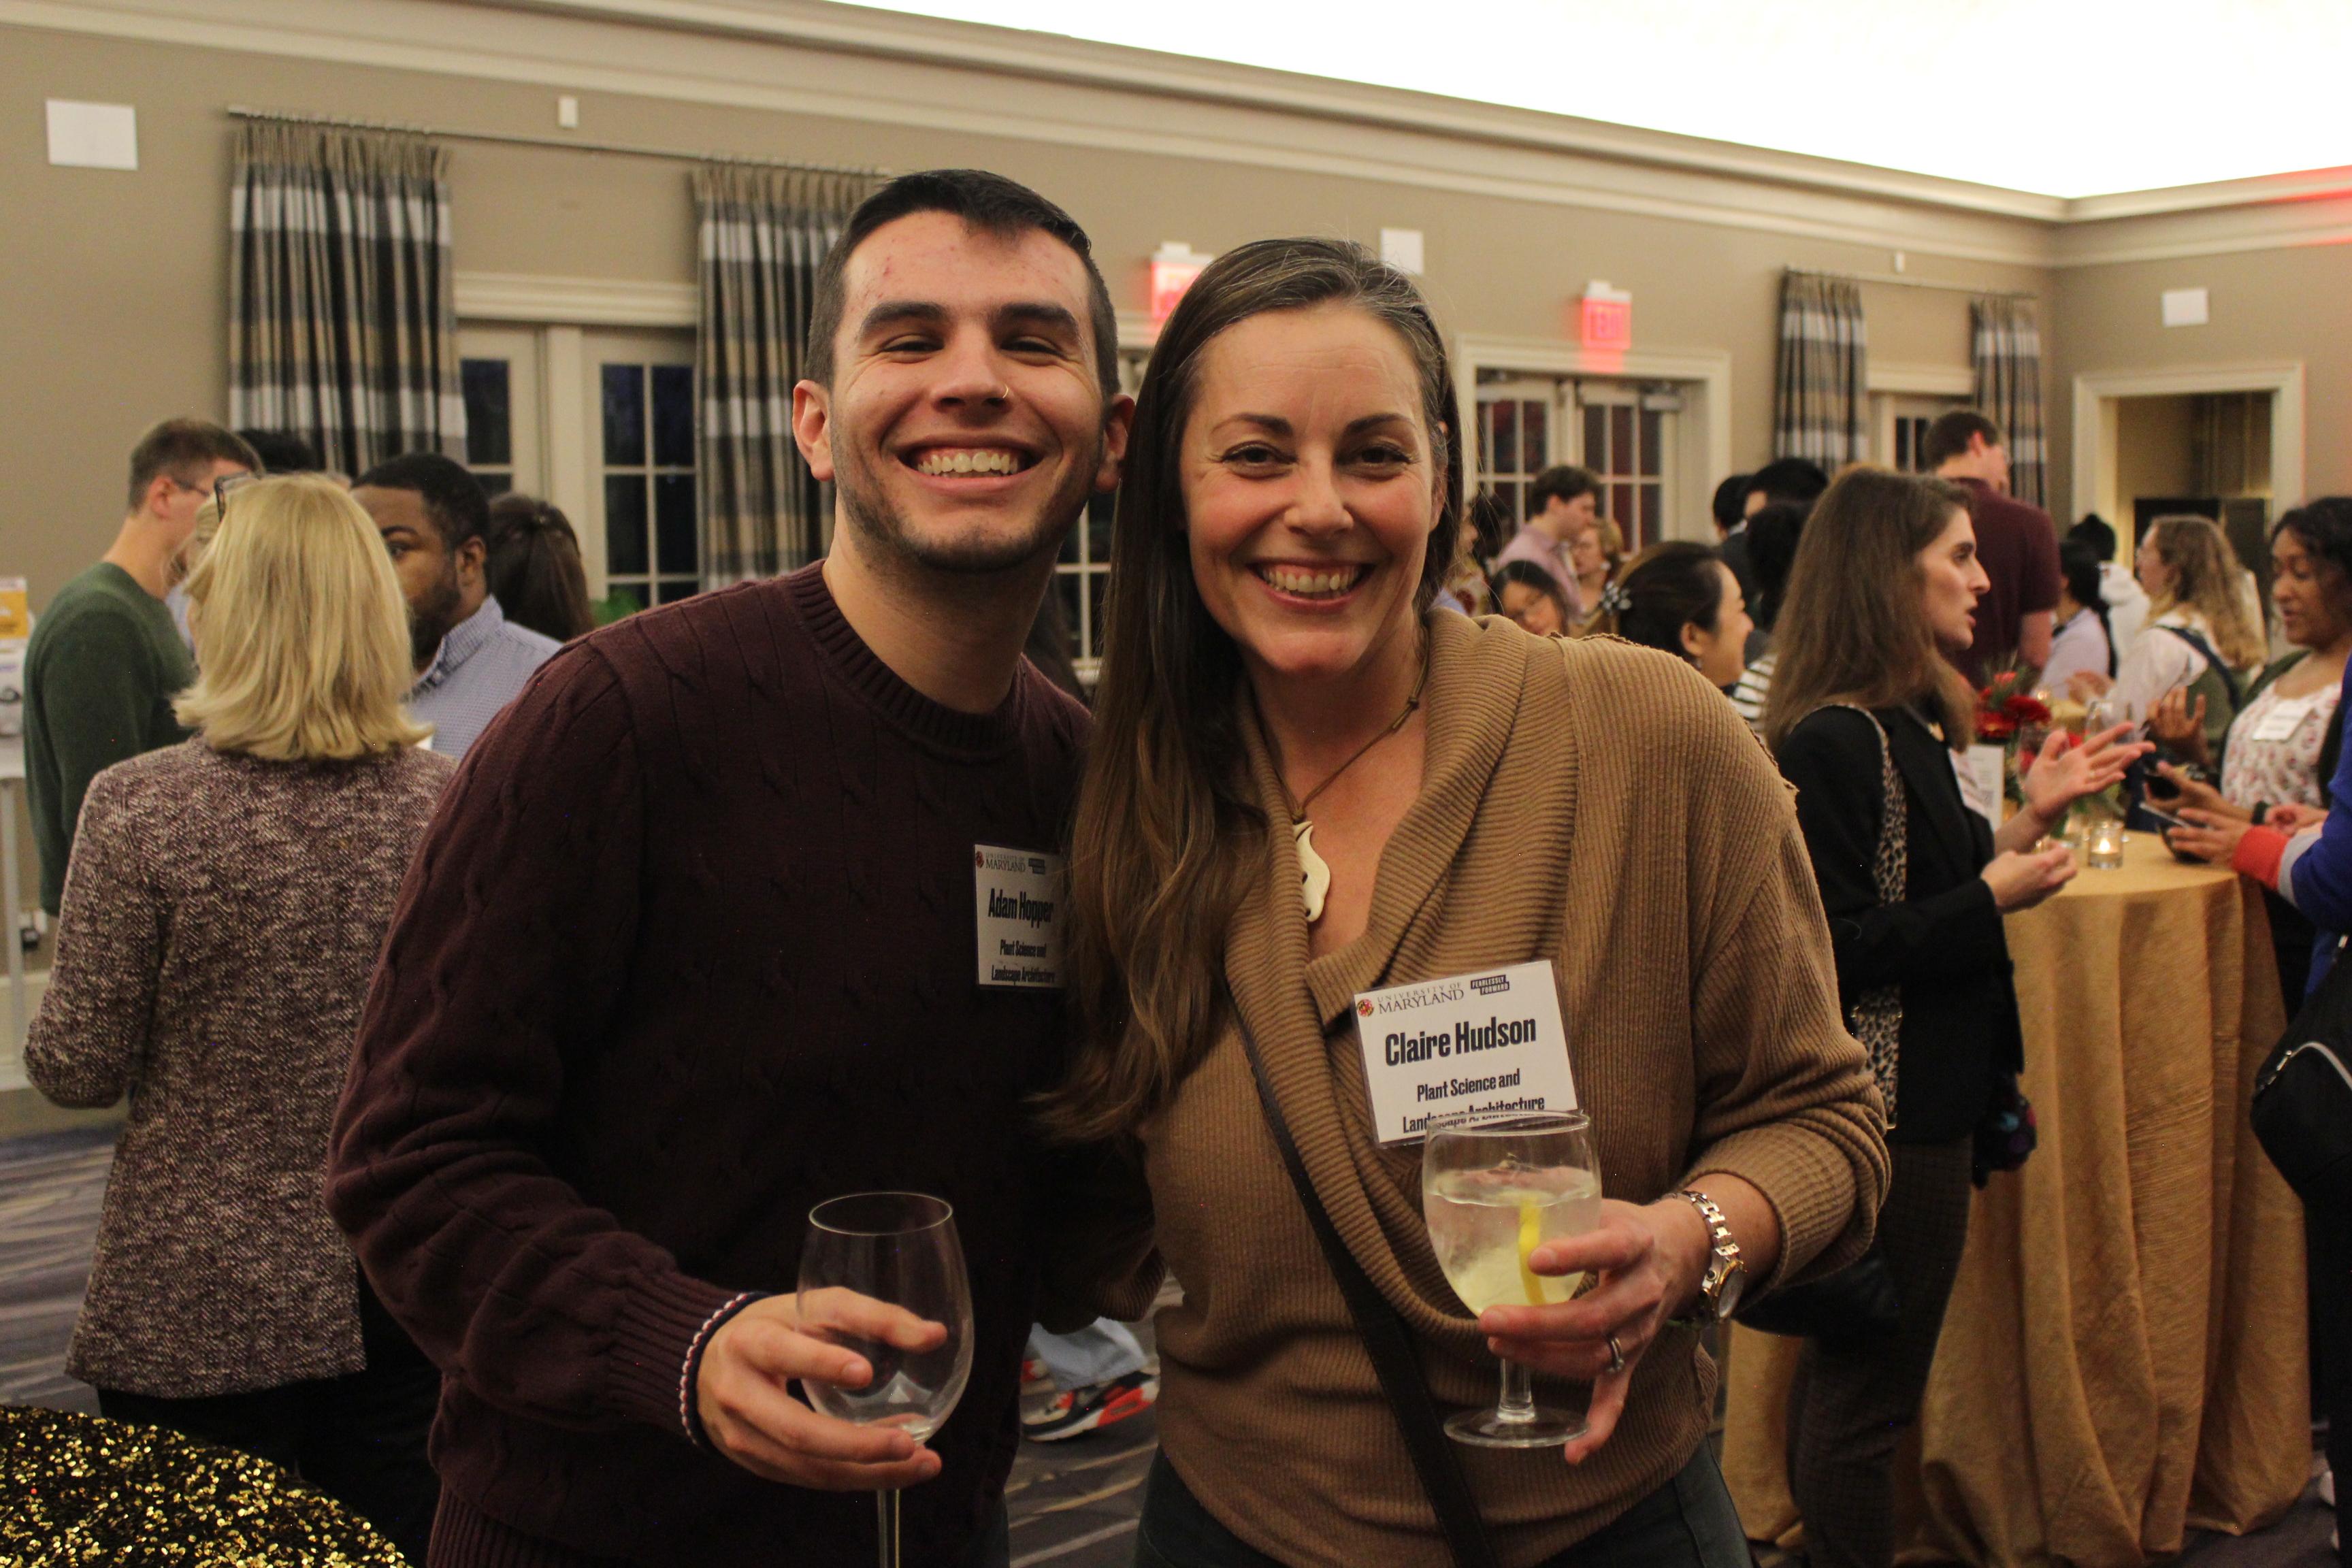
2124 1354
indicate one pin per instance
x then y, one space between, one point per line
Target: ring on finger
1616 1356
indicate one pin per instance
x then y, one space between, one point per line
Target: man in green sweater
106 659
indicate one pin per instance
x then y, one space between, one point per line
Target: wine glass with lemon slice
1493 1189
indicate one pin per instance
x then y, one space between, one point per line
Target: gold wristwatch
1727 1274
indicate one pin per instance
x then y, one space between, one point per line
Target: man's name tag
1017 910
1466 1045
2284 718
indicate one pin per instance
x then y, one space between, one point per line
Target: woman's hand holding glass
751 1415
1649 1259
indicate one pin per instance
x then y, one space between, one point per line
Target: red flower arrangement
2005 706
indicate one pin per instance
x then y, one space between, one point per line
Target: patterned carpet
1073 1504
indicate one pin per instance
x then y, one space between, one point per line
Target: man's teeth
969 460
1290 580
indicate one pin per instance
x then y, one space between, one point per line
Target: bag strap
2204 650
1389 1345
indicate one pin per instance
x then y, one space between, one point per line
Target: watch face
1726 1296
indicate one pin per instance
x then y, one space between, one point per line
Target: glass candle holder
2103 845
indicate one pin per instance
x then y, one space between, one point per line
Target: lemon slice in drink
1530 1237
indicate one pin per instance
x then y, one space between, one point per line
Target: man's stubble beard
430 622
864 507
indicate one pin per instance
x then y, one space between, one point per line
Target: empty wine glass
1493 1189
901 1249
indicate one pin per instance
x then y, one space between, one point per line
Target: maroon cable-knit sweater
689 949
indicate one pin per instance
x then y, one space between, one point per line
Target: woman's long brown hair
1853 627
1169 837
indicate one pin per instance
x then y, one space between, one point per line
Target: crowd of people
496 994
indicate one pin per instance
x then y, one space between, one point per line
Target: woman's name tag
2284 718
1017 909
1466 1044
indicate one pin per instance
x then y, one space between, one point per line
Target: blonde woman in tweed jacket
222 913
1479 798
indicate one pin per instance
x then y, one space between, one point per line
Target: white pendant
1314 875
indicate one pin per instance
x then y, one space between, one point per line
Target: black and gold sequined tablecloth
77 1490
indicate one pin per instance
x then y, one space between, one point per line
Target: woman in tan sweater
1477 798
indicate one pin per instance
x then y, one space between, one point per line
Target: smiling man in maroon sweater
693 945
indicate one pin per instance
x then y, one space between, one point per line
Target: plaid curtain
2005 346
1820 404
763 231
343 306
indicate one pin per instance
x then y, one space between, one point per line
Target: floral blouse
2275 745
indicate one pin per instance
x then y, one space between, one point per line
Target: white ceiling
2065 98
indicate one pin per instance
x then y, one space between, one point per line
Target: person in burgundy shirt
2017 543
692 946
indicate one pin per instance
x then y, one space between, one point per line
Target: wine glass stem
1517 1402
886 1519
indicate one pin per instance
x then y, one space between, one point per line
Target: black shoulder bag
1389 1345
2301 1112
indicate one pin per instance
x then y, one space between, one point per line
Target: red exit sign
1606 320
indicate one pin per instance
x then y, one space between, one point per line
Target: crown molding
862 66
849 64
575 301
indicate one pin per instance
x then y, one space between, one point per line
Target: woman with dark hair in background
1680 597
534 568
2285 742
1305 784
1530 596
1772 535
1866 713
2085 638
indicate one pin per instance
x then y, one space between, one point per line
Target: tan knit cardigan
1589 802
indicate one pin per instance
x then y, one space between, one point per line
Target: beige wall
2266 306
116 281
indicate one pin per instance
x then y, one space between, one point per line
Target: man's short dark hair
1947 437
185 450
1730 503
282 451
453 498
1798 479
990 203
1565 482
1772 535
2094 531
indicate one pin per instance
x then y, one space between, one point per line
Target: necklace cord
1298 808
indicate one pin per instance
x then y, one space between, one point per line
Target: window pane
1070 547
624 524
489 412
673 589
1069 585
630 594
1903 445
1620 505
674 524
1652 497
494 484
1620 439
1097 601
624 415
1532 426
1596 439
1486 437
1653 425
1507 439
673 415
1514 512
